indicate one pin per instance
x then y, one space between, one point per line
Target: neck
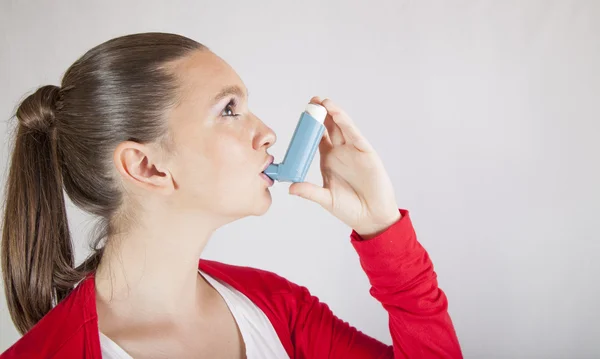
153 268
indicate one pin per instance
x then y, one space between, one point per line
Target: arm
404 282
359 192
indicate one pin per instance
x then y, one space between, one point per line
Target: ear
140 165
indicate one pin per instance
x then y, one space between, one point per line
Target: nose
265 137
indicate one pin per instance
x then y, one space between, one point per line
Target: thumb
311 192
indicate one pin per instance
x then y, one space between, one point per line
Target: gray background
486 114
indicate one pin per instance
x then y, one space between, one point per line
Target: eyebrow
228 91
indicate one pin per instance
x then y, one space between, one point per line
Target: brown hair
117 91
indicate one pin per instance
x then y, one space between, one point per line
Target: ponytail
117 91
36 252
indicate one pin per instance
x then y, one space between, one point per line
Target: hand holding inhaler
356 187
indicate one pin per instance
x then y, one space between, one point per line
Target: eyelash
233 104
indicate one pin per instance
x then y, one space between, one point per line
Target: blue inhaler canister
302 148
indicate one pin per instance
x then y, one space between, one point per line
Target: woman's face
220 146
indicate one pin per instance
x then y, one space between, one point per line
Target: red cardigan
398 268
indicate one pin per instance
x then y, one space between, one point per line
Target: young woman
152 134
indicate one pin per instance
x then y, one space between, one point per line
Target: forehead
202 75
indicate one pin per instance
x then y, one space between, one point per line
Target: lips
268 163
270 181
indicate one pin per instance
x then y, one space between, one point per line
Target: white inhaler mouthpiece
302 147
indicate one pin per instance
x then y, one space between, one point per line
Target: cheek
219 167
218 170
226 157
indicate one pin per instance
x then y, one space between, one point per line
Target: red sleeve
403 280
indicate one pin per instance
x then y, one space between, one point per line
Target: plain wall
486 114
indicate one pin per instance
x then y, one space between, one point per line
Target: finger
347 127
334 131
312 192
325 144
316 100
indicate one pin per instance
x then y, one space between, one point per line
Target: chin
262 204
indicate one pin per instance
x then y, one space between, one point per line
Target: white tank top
260 338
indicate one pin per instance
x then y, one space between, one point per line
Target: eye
228 111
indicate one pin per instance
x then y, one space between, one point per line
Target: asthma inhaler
302 148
